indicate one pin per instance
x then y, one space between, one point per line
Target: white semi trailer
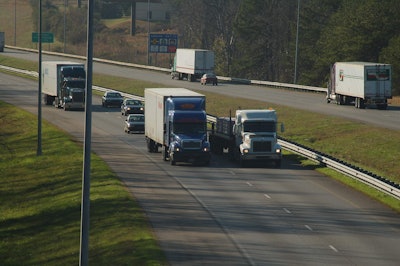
191 64
361 83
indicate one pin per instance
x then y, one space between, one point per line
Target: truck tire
339 99
278 163
382 106
164 153
172 161
359 103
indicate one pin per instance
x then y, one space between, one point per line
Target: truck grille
261 146
191 144
78 97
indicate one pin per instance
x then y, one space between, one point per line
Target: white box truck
361 83
176 120
63 84
191 64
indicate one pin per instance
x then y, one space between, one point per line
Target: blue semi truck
176 121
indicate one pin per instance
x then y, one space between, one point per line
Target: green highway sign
47 37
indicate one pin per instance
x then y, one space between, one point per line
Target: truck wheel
278 163
164 153
382 106
359 103
362 104
339 100
242 162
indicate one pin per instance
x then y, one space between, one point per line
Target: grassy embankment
41 202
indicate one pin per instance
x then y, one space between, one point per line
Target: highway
223 214
314 102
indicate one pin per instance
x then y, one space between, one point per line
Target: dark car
134 123
112 98
209 78
131 106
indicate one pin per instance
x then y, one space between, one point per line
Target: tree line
269 39
257 39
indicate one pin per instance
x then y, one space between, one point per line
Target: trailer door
378 82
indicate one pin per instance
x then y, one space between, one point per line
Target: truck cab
255 133
186 131
72 91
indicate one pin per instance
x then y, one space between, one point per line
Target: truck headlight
278 150
245 150
206 149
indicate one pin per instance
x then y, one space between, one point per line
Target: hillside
112 42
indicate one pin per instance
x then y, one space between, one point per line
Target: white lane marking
286 210
249 184
308 227
267 196
333 248
232 173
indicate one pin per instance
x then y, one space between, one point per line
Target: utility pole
85 202
297 42
39 140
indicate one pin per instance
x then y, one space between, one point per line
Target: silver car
134 123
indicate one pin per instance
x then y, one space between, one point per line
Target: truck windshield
189 128
259 126
75 84
74 72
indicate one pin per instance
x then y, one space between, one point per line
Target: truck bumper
75 105
191 157
261 156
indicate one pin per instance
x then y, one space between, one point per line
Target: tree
356 32
263 30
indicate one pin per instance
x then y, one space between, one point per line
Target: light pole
297 42
15 22
148 32
65 18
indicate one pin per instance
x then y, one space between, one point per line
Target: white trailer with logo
361 83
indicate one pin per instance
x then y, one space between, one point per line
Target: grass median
41 196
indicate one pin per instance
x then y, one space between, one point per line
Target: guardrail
378 182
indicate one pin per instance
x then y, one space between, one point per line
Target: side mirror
282 127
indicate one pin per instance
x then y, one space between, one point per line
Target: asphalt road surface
314 102
223 214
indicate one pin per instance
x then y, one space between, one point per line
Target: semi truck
2 41
250 136
176 121
63 84
361 83
191 64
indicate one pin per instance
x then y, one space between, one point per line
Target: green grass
40 202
